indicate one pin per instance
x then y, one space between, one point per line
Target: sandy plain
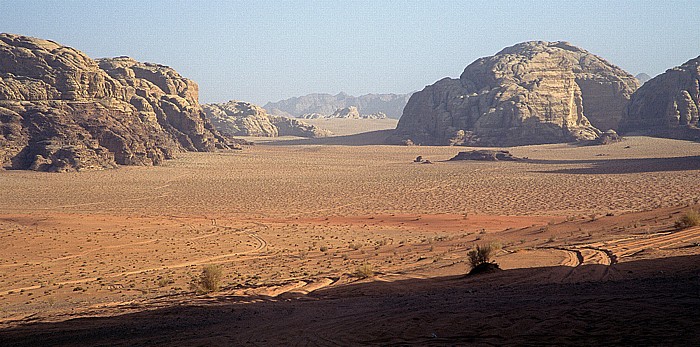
587 232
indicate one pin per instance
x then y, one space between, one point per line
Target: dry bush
364 271
481 254
209 280
689 219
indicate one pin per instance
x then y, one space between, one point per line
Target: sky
260 51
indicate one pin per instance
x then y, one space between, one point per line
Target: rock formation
668 104
530 93
485 155
62 111
350 112
237 118
608 137
642 78
326 104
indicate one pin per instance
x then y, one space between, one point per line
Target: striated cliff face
530 93
238 118
323 105
62 111
668 104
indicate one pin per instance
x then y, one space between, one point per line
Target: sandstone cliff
237 118
668 104
530 93
326 104
62 111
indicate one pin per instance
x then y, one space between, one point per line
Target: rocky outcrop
238 118
485 155
530 93
326 104
62 111
667 105
608 137
293 127
350 112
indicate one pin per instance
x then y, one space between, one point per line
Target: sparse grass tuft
209 280
689 219
481 254
364 271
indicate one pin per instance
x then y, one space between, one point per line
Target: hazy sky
263 51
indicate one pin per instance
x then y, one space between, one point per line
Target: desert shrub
481 254
209 280
164 281
355 246
364 271
689 219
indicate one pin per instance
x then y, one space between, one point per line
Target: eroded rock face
668 104
62 111
530 93
238 118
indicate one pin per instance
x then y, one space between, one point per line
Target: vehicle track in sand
261 245
629 247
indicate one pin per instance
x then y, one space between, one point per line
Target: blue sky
263 51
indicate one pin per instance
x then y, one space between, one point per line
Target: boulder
608 137
531 93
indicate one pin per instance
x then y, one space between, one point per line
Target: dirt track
291 225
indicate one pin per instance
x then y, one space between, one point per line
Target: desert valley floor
589 249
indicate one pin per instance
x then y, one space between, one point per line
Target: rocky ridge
322 105
63 111
238 118
350 112
531 93
667 105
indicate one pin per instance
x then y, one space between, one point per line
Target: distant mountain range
326 104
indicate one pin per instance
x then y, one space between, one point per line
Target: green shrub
689 219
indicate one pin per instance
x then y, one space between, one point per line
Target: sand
583 229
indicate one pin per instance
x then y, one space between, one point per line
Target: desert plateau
350 173
585 231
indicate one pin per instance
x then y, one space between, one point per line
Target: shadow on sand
625 166
646 302
378 137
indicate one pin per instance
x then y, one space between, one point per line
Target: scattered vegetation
164 281
209 280
689 219
480 258
364 271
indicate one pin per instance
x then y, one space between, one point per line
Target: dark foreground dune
646 302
